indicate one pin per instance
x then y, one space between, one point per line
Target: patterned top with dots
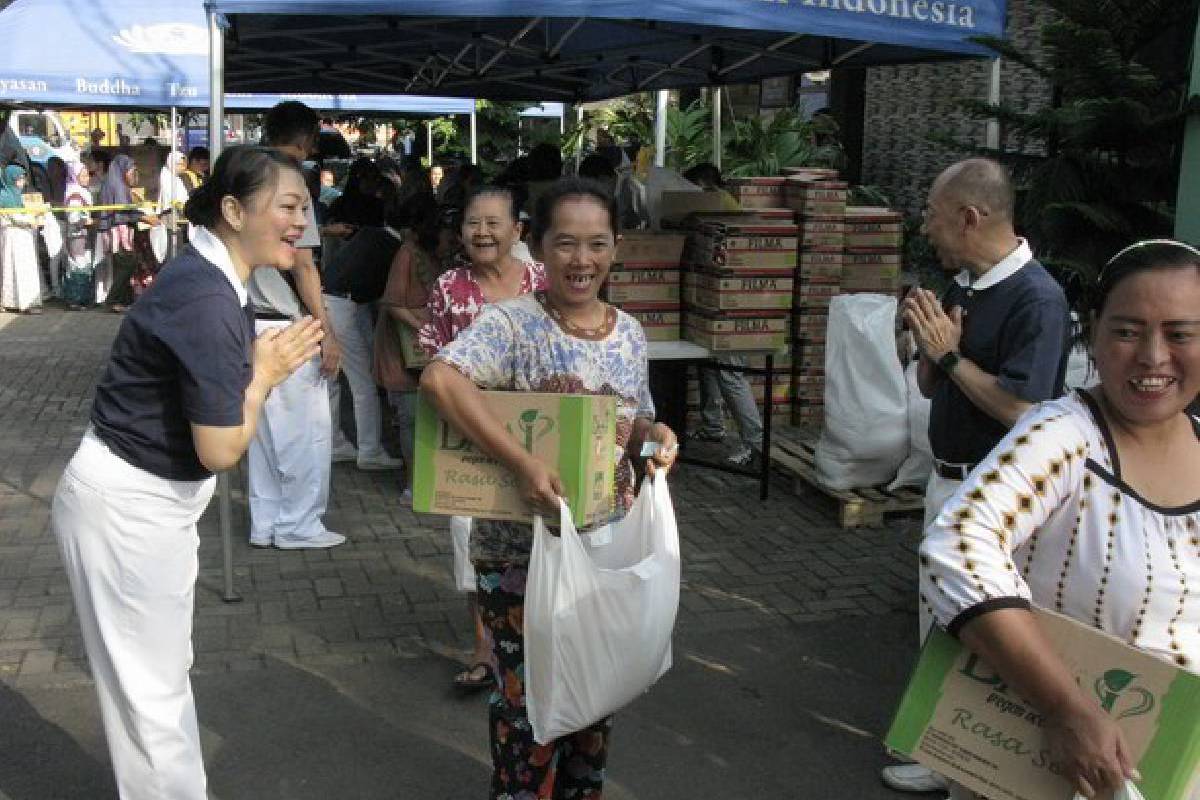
1046 519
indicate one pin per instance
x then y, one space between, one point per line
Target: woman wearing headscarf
20 283
78 239
55 224
172 194
115 277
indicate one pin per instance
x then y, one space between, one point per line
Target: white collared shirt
1004 268
214 250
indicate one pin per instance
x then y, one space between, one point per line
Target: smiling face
488 229
1146 344
267 228
578 250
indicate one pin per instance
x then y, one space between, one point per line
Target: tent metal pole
216 86
660 128
173 231
474 148
579 141
216 138
715 101
1187 206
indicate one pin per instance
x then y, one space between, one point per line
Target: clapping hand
278 352
936 332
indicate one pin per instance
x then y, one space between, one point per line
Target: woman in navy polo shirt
178 401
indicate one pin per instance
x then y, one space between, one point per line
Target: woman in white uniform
178 401
1090 507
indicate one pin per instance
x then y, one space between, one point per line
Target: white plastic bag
598 620
1128 791
160 241
919 463
866 401
464 572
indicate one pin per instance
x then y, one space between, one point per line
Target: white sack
464 572
919 463
598 619
866 400
1080 373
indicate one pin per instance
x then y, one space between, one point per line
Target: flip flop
464 681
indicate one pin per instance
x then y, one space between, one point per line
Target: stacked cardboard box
739 279
645 281
819 200
873 258
758 192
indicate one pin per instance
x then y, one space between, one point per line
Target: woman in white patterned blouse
1089 507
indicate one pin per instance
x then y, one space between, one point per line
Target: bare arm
461 403
308 286
929 375
412 317
1092 751
220 448
984 390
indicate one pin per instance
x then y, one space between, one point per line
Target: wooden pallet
792 451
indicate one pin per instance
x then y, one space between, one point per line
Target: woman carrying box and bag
179 400
490 228
1090 507
563 340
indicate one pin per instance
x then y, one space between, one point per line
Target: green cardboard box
958 718
576 434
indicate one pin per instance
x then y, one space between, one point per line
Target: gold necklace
573 327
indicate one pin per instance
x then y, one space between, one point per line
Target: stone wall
905 104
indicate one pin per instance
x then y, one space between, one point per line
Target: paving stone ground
751 569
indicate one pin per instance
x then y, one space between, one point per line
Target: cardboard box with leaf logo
575 434
960 719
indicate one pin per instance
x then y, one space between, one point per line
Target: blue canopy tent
575 50
143 54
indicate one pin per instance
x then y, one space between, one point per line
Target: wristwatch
948 362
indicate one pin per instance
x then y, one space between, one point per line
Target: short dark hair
199 152
289 123
1140 257
240 172
596 167
705 174
491 190
565 189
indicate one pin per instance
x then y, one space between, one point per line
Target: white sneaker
345 452
914 778
379 463
320 541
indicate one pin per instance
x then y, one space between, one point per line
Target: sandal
466 681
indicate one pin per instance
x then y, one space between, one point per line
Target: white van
43 134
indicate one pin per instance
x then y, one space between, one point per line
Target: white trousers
289 458
351 323
937 492
128 542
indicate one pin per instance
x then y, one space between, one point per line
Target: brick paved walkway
387 593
